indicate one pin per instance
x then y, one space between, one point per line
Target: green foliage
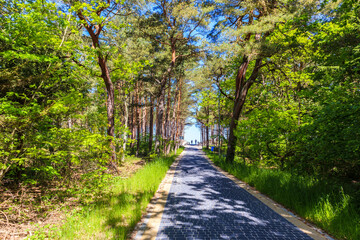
264 134
330 144
207 107
304 114
44 100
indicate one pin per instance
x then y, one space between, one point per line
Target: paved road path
204 204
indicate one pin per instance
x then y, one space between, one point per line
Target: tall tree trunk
177 119
167 113
202 136
160 107
207 136
132 122
110 109
137 118
124 115
242 89
160 119
173 121
105 75
144 117
219 140
151 124
207 110
167 120
212 134
126 119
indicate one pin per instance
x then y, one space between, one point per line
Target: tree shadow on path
204 204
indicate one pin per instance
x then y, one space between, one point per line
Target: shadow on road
204 204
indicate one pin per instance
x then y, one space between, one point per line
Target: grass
322 202
116 213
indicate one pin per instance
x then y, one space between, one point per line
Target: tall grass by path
322 202
115 215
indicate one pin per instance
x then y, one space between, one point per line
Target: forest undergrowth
26 207
37 211
117 209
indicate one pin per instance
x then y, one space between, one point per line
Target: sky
192 133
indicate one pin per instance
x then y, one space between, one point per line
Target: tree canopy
83 84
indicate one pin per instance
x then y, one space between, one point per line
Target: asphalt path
205 204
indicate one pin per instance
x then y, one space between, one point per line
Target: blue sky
192 132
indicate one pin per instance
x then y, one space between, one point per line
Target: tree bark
126 119
105 75
207 136
151 124
144 117
202 135
132 122
242 89
167 113
110 109
173 120
177 119
159 119
167 120
137 118
212 134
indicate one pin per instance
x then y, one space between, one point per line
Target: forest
90 89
